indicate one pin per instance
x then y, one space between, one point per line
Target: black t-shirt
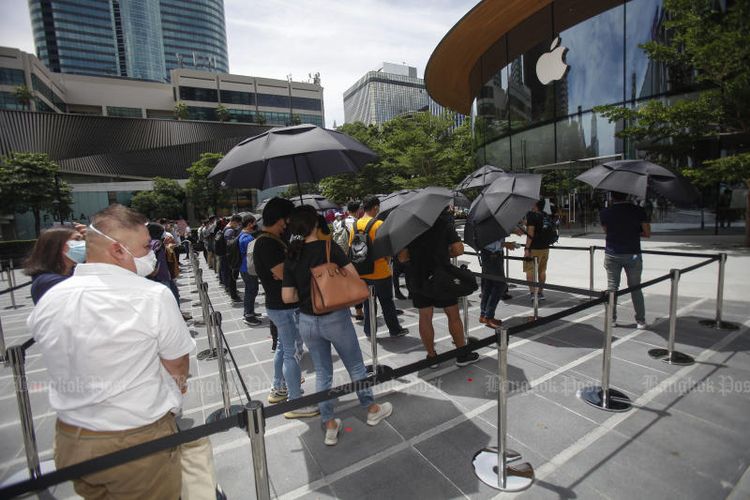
268 253
623 222
536 220
430 249
297 272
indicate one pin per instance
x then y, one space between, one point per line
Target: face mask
143 265
76 251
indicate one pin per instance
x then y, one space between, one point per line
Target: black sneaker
251 320
467 359
435 365
400 333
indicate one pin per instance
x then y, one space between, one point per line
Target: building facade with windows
381 95
141 39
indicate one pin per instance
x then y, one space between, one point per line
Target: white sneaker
304 412
641 325
385 411
332 435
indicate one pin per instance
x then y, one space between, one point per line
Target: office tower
380 95
141 39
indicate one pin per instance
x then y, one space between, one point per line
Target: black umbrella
391 201
410 219
289 155
460 200
498 209
480 178
318 201
636 177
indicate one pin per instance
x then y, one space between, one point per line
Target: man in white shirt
116 349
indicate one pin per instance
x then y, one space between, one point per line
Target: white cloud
341 39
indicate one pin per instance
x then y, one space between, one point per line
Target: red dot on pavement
470 380
347 429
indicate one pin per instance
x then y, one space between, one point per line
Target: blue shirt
43 282
623 222
495 246
245 239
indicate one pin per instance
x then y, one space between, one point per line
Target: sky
341 39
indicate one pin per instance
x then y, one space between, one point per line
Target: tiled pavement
686 436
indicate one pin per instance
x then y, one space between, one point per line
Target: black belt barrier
14 288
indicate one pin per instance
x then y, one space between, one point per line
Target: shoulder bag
333 287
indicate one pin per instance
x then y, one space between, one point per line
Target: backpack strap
369 225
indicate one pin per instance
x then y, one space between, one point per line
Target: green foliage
731 169
296 119
166 200
181 110
222 113
414 150
29 182
24 96
305 188
205 194
260 119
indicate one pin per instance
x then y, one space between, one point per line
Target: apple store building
531 72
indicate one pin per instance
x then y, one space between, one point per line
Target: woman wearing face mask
53 258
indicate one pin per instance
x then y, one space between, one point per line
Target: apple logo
551 65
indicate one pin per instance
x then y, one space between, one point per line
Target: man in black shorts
435 247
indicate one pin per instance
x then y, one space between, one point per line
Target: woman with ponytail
321 331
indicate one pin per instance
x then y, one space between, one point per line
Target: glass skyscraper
141 39
384 94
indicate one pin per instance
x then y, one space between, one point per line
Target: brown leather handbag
333 287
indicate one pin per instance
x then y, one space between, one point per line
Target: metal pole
502 410
256 429
536 288
12 295
592 249
3 355
465 301
507 264
719 323
17 357
373 329
669 355
227 410
603 397
12 274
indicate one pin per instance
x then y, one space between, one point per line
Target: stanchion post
719 323
592 249
465 303
373 329
535 297
256 430
3 353
492 465
211 352
12 274
10 283
17 358
227 410
603 397
507 266
669 355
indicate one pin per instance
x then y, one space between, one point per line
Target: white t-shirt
102 333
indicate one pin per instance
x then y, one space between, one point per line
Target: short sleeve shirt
268 253
297 272
245 239
102 334
41 283
430 249
536 220
623 222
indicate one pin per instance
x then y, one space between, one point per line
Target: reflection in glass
533 147
644 23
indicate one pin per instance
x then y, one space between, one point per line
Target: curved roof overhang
477 46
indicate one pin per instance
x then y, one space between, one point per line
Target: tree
24 95
29 181
260 119
181 111
222 113
296 119
305 188
167 199
205 194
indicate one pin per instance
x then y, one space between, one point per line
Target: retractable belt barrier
503 476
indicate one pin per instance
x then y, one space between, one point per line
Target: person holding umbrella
625 224
429 250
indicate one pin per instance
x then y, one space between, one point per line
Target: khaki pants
156 476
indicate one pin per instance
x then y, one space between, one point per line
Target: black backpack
234 257
360 251
548 234
220 243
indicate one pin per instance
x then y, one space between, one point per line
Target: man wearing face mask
120 341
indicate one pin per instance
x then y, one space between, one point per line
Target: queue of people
125 344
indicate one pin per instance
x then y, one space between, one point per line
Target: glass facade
142 39
124 112
535 111
194 35
47 92
8 101
10 76
377 97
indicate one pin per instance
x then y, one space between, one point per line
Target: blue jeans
384 293
285 366
319 333
492 290
251 291
632 263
